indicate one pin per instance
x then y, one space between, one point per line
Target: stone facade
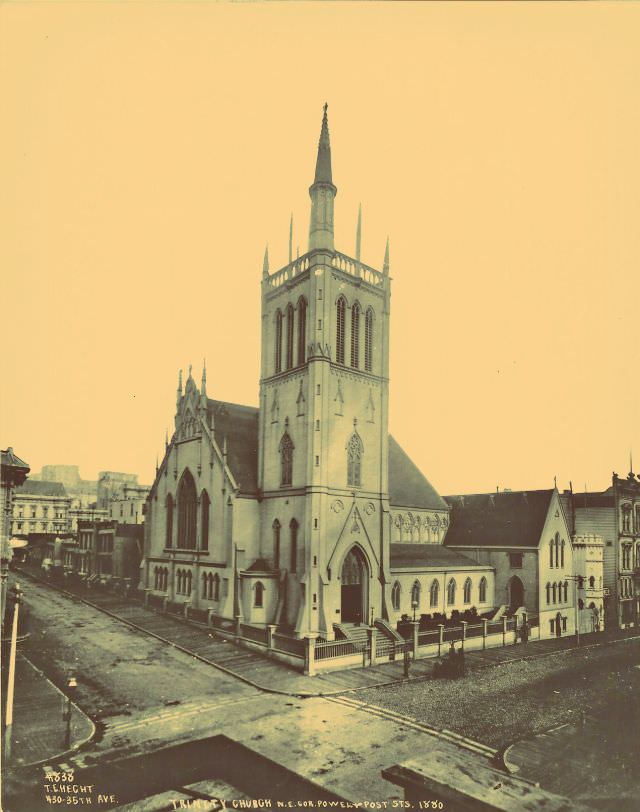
286 514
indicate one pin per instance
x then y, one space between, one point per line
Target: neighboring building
82 491
588 558
111 486
107 552
40 507
91 500
287 514
129 509
614 514
79 512
524 537
13 473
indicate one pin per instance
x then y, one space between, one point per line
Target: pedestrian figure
558 625
525 631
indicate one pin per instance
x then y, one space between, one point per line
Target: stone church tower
324 390
299 513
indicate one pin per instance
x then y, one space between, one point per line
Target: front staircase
359 632
354 633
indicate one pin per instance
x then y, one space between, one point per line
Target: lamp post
414 606
72 684
16 596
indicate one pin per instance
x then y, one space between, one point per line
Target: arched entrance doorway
516 593
354 580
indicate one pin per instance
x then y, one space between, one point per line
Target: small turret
322 193
359 233
265 262
385 265
179 395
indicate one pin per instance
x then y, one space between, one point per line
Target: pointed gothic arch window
293 528
562 553
548 591
289 354
415 594
434 594
451 592
557 548
187 512
355 336
278 337
216 587
258 597
565 590
554 591
467 591
395 596
341 306
302 329
368 340
169 522
482 590
354 461
286 460
551 553
205 504
276 544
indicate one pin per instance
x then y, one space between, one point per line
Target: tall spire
359 232
323 161
203 384
291 239
179 392
265 262
322 193
385 266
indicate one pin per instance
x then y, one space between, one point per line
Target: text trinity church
305 514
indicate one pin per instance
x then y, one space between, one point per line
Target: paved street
516 701
145 695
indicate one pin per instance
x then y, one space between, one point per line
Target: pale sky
149 151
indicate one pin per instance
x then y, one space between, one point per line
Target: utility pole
16 596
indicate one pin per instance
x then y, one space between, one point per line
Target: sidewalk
569 760
268 675
38 725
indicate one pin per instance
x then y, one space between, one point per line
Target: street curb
298 694
72 750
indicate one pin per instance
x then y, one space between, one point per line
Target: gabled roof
42 487
506 519
8 457
606 499
260 565
408 487
239 424
419 556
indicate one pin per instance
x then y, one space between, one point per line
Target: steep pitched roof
34 487
605 499
403 556
9 457
408 487
239 424
507 519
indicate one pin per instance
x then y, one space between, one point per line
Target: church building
305 513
